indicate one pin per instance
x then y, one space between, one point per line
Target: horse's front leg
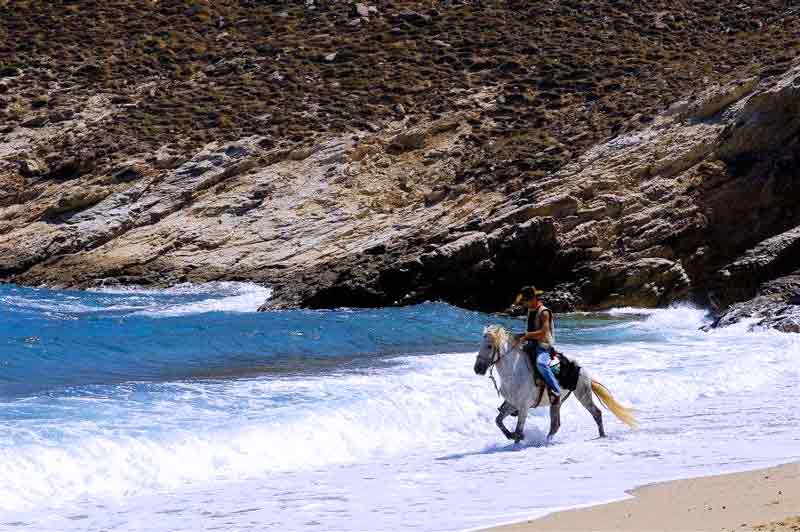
522 416
505 409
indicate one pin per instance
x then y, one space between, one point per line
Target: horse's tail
623 413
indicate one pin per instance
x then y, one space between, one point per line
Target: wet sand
762 500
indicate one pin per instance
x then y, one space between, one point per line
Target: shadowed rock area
357 154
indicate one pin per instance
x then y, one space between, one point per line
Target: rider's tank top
535 323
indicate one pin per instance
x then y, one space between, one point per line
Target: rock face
490 150
770 259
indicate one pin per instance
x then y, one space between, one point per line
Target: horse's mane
498 334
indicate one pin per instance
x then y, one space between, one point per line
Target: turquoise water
119 405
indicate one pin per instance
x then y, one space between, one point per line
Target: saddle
565 370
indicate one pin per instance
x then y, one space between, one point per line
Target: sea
126 409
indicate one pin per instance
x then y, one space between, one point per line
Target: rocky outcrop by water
776 305
365 155
763 286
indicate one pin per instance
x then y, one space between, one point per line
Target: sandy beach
761 500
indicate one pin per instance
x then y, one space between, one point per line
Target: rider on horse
539 337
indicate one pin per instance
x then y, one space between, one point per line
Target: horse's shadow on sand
533 438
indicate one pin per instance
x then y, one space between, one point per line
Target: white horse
499 349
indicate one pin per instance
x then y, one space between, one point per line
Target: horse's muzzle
480 367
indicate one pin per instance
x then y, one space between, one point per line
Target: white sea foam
678 314
344 419
49 306
211 297
356 451
237 297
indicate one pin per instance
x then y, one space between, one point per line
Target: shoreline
764 499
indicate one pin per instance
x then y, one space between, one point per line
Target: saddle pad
565 370
568 372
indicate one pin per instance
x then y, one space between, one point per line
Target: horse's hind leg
522 416
584 394
555 419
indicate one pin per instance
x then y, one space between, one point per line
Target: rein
495 360
494 382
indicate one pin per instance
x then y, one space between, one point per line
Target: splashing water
121 405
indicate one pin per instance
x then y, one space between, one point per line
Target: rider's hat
527 293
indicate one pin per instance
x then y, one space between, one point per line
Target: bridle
495 358
496 355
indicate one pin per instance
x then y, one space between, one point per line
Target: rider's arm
541 333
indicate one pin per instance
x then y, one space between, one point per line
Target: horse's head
494 338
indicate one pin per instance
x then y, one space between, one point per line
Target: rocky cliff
355 154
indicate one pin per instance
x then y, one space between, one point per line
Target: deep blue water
52 340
